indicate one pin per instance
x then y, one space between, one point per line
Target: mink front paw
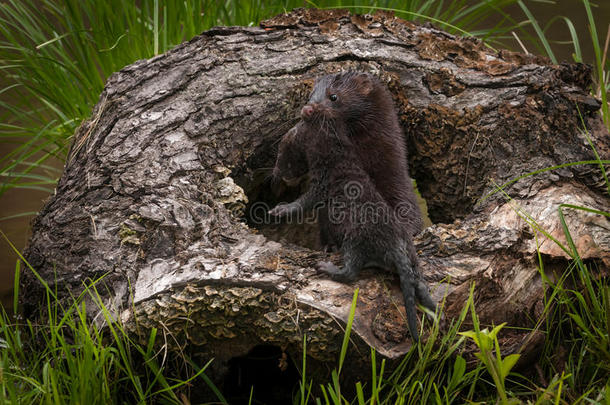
281 210
329 248
342 275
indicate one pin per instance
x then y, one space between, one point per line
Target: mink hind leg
328 241
354 260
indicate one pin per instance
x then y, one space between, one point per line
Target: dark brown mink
291 163
291 167
365 106
370 232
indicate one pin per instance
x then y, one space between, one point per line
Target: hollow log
164 191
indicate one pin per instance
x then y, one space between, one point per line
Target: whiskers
268 171
328 127
283 129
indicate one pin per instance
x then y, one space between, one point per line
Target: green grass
601 62
70 359
576 315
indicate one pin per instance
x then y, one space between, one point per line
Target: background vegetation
55 56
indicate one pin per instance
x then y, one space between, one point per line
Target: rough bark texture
164 181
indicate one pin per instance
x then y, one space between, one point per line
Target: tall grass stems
69 359
576 311
600 61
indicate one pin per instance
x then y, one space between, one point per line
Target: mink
366 107
291 164
370 230
291 167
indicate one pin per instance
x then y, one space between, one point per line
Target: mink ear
365 84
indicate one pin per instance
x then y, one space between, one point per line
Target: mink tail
405 270
413 289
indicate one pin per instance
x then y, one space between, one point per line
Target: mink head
346 97
291 163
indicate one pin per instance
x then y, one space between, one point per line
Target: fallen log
166 184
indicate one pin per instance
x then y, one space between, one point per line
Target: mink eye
333 97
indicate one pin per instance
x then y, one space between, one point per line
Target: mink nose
306 111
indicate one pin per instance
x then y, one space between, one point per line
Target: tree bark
165 184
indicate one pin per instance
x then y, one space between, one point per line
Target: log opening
267 370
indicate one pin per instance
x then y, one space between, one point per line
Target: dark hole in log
267 370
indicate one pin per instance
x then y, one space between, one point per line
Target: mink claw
326 268
278 211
